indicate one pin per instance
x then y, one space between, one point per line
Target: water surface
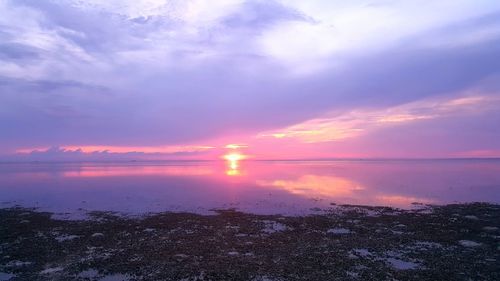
264 187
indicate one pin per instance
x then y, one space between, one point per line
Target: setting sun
249 140
234 157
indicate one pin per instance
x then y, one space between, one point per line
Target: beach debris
65 237
254 247
490 228
338 231
471 217
273 227
401 264
51 270
468 243
6 276
116 277
89 273
16 263
362 252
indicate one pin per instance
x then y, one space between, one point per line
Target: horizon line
259 160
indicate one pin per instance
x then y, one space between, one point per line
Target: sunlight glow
233 165
316 186
335 127
234 157
236 146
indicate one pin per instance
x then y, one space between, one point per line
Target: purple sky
289 79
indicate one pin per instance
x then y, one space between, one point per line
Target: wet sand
452 242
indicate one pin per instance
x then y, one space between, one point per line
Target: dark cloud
16 51
261 14
46 86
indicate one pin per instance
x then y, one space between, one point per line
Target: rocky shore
452 242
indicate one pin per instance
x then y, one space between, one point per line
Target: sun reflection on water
233 163
237 179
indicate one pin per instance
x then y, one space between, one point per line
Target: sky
193 79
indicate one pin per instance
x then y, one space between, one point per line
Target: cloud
155 73
15 51
106 154
358 122
258 15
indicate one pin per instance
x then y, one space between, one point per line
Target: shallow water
263 187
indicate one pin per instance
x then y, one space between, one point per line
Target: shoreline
449 242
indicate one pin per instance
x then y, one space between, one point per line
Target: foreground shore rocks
453 242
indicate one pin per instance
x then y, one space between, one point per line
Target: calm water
259 187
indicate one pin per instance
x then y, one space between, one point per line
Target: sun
234 157
232 160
